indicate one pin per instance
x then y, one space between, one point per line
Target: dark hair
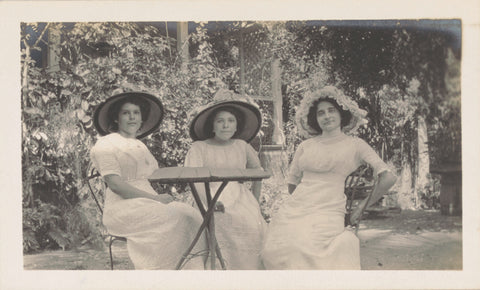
345 116
115 108
208 129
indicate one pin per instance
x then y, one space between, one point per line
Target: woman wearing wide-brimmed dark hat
221 131
308 231
158 230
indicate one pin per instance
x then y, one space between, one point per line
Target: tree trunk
405 194
28 194
278 137
423 172
182 43
405 189
53 55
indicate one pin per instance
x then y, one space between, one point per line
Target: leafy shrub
42 227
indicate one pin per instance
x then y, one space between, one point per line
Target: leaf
86 119
40 135
34 111
88 124
60 238
29 241
117 91
80 114
45 98
49 176
66 92
84 73
85 105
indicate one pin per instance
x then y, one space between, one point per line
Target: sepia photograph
294 151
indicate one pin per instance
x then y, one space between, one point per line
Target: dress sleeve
104 159
366 154
252 157
295 174
152 160
194 156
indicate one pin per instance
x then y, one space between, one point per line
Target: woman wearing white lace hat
158 230
221 131
308 230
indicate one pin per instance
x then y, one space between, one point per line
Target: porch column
182 41
277 136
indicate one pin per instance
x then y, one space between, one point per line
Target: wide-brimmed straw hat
345 102
252 117
155 116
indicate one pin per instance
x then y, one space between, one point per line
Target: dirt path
410 240
381 250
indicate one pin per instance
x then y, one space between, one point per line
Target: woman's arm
385 178
385 181
295 173
104 158
254 162
127 191
257 189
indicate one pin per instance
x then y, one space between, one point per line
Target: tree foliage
395 74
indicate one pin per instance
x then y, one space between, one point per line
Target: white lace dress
308 230
157 234
241 229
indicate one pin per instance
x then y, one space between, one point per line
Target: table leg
220 257
213 245
212 230
207 192
206 220
199 203
196 196
215 248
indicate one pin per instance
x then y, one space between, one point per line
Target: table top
205 174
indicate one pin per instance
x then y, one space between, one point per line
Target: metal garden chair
356 189
93 174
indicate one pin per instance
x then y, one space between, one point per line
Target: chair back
93 174
357 188
97 195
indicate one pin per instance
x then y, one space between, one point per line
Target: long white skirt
157 234
241 229
308 232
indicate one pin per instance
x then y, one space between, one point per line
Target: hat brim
351 127
346 103
252 119
153 121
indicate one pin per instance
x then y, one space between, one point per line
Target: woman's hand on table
219 206
163 198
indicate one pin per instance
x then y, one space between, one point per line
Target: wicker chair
93 174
